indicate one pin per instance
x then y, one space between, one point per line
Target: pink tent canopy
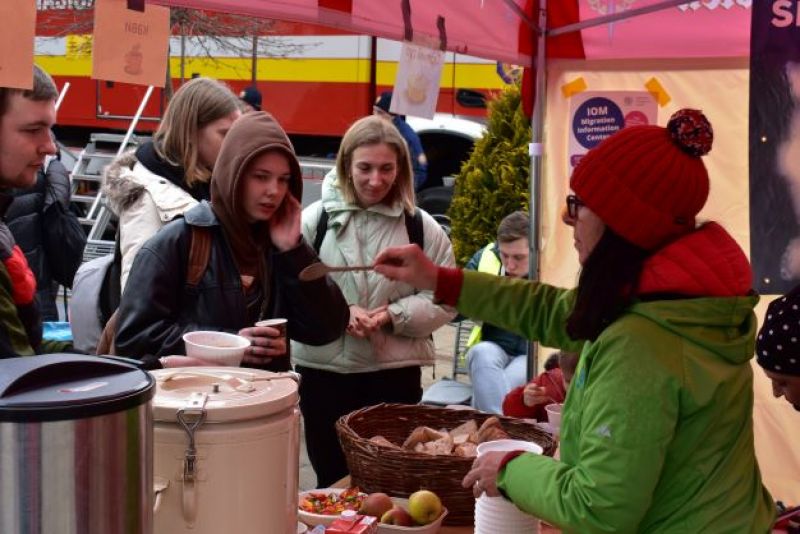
496 29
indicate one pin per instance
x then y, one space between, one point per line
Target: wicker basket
401 472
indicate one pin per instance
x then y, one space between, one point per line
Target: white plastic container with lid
226 451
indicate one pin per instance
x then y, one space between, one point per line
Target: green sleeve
626 410
536 311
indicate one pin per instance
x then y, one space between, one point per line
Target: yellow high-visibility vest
489 263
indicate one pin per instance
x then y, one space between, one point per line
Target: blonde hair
197 103
373 130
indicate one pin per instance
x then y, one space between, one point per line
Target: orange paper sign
130 46
16 43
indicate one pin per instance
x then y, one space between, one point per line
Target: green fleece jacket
657 433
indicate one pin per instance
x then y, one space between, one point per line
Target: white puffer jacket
143 201
355 236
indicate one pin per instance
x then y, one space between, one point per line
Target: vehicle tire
436 201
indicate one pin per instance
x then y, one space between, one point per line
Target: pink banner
483 28
717 28
491 29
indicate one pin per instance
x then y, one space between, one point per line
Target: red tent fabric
501 29
495 29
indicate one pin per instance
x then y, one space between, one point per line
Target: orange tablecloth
543 529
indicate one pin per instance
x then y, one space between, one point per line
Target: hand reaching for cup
482 477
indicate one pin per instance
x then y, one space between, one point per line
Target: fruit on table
424 506
397 516
376 504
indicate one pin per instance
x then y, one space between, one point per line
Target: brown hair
43 89
513 226
606 286
197 103
568 363
373 130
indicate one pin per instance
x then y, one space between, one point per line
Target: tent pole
535 183
523 16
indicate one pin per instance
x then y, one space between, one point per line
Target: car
448 141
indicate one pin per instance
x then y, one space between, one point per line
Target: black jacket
153 315
48 233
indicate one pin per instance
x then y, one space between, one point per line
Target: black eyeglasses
573 203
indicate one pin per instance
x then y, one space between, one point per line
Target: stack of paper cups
496 515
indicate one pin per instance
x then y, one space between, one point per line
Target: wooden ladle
319 269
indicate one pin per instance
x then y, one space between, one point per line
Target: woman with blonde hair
163 178
367 205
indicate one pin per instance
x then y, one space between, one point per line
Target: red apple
376 504
397 516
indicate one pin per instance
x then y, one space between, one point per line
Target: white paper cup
554 415
508 445
217 347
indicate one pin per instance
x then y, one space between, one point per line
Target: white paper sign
597 115
416 88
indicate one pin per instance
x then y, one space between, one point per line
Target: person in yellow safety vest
497 358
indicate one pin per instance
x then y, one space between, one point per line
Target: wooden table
543 529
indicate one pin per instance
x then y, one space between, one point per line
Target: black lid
57 387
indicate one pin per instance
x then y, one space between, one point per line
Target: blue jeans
493 373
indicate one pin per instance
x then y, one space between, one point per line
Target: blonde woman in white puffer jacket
389 337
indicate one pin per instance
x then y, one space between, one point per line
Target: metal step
96 248
97 178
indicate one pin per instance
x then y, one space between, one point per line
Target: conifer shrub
493 182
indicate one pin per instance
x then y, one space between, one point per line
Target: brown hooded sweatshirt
251 135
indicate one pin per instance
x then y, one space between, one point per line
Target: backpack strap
322 229
199 253
414 228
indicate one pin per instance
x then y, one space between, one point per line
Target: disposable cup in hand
280 324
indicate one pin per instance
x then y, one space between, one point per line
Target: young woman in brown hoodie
256 254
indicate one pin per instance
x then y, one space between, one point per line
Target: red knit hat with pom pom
647 183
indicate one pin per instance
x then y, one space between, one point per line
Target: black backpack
416 234
111 289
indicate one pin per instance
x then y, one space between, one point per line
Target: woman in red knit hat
656 434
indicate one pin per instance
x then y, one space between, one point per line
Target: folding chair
450 390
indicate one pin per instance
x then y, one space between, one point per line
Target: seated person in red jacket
550 387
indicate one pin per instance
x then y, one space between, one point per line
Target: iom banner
775 145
